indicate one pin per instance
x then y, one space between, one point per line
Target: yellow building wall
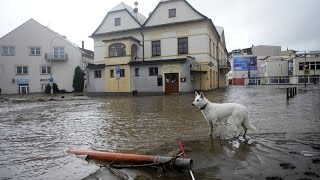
124 83
121 85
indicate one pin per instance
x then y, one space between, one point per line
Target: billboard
243 63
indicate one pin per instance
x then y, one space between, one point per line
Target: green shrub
78 80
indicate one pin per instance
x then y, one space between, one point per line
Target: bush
55 88
78 80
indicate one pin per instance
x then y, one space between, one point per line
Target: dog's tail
248 125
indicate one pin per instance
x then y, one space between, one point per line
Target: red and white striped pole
185 156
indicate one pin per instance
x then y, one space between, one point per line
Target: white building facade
32 54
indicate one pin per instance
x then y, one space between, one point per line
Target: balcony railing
224 64
56 57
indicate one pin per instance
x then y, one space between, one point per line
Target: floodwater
34 136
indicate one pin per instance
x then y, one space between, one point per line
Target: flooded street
34 136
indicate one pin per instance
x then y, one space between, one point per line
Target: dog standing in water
215 113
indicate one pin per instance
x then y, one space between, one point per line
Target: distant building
291 69
245 64
264 50
176 49
31 54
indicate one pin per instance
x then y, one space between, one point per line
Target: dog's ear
201 95
195 93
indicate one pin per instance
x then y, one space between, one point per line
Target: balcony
56 57
224 64
224 67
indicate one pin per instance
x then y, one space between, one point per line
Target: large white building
176 49
32 54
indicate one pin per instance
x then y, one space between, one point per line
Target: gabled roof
166 1
87 53
36 23
220 30
138 17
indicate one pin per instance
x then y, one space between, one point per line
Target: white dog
215 113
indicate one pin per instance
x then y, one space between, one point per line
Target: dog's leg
245 132
239 130
217 125
210 127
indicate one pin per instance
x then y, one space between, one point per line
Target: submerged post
287 94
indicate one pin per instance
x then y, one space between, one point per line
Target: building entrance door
23 89
171 83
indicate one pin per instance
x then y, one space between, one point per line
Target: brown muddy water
34 136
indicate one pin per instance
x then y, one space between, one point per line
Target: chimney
82 44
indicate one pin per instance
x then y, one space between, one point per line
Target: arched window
117 50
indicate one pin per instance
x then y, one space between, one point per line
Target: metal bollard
287 94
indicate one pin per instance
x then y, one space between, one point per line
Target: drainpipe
217 51
142 46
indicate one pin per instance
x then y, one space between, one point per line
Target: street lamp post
305 75
249 68
304 67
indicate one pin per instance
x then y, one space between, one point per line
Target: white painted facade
33 34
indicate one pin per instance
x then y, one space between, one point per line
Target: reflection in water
34 136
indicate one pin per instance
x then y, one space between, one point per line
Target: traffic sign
306 71
118 73
117 70
50 79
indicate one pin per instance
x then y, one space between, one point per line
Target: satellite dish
136 3
135 10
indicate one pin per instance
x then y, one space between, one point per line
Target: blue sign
117 70
118 73
50 79
22 81
243 63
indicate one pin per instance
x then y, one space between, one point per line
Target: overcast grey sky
289 23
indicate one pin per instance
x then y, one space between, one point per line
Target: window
312 65
117 50
97 74
122 73
317 65
172 13
7 51
136 71
153 71
45 70
301 65
117 21
34 51
58 53
22 70
183 45
156 48
111 73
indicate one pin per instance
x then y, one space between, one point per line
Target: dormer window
117 21
172 13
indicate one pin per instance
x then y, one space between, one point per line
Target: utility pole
305 64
